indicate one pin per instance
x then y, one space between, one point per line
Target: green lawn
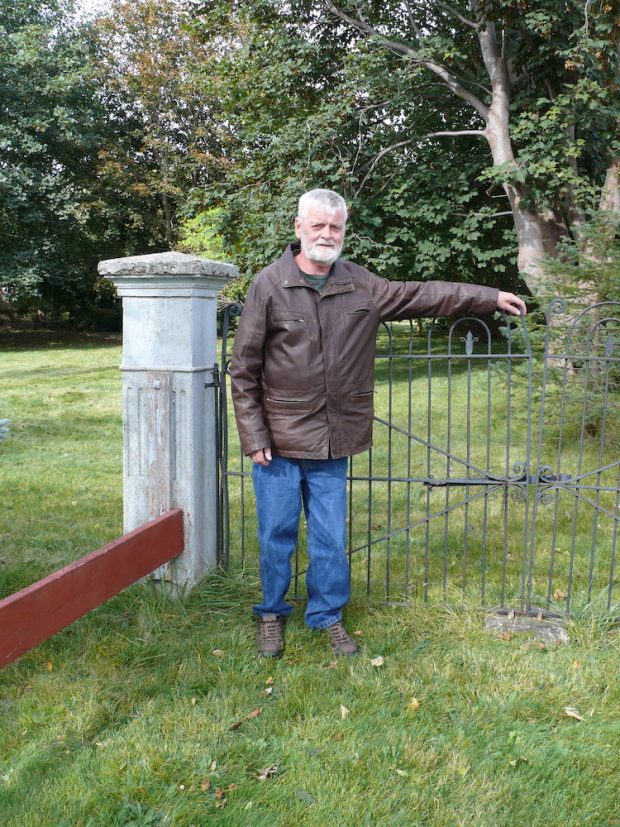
153 712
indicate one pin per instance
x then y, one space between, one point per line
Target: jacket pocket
362 396
358 310
288 316
284 404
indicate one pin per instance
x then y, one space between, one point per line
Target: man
302 387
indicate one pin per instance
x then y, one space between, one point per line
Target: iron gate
494 470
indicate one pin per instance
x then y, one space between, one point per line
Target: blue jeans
281 489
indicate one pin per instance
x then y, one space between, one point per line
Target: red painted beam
34 614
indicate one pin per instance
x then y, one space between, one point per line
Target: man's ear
297 227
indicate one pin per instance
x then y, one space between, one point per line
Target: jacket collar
340 279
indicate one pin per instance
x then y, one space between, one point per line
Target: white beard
319 253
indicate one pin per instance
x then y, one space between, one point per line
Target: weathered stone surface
169 399
549 630
170 264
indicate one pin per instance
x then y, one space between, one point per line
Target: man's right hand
262 456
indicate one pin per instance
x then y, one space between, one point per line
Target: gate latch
541 477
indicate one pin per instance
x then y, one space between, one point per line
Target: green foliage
306 109
101 137
312 101
199 235
49 136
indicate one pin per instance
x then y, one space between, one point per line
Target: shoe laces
271 630
338 634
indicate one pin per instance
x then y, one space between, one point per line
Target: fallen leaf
344 712
205 784
267 772
337 736
194 701
358 633
333 664
268 690
222 792
558 595
505 636
270 681
50 666
541 645
218 653
573 713
378 661
402 773
576 664
413 704
213 766
181 786
253 714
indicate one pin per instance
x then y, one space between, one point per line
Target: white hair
327 199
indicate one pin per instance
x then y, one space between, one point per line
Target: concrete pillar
169 353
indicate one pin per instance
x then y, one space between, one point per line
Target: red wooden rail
34 614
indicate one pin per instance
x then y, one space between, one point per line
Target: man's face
321 233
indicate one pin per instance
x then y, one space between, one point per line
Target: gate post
169 398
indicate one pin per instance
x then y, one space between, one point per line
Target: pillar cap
166 264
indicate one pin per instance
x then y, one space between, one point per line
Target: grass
61 468
129 716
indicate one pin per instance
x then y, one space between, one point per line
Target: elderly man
302 387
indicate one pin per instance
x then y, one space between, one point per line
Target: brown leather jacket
302 365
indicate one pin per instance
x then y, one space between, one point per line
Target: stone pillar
169 354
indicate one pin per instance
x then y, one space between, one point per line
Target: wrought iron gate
494 470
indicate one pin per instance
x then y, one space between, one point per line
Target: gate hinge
216 378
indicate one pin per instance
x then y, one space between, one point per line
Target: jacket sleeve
408 299
246 369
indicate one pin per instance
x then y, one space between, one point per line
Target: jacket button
286 281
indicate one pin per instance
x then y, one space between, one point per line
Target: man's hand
262 456
510 303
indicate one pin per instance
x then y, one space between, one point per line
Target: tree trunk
529 224
610 195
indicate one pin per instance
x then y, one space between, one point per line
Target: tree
49 137
452 128
151 63
539 79
306 106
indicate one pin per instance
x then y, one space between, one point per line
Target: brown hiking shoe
341 643
271 635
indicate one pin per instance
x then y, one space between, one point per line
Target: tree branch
480 133
413 22
486 215
446 7
376 160
449 80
